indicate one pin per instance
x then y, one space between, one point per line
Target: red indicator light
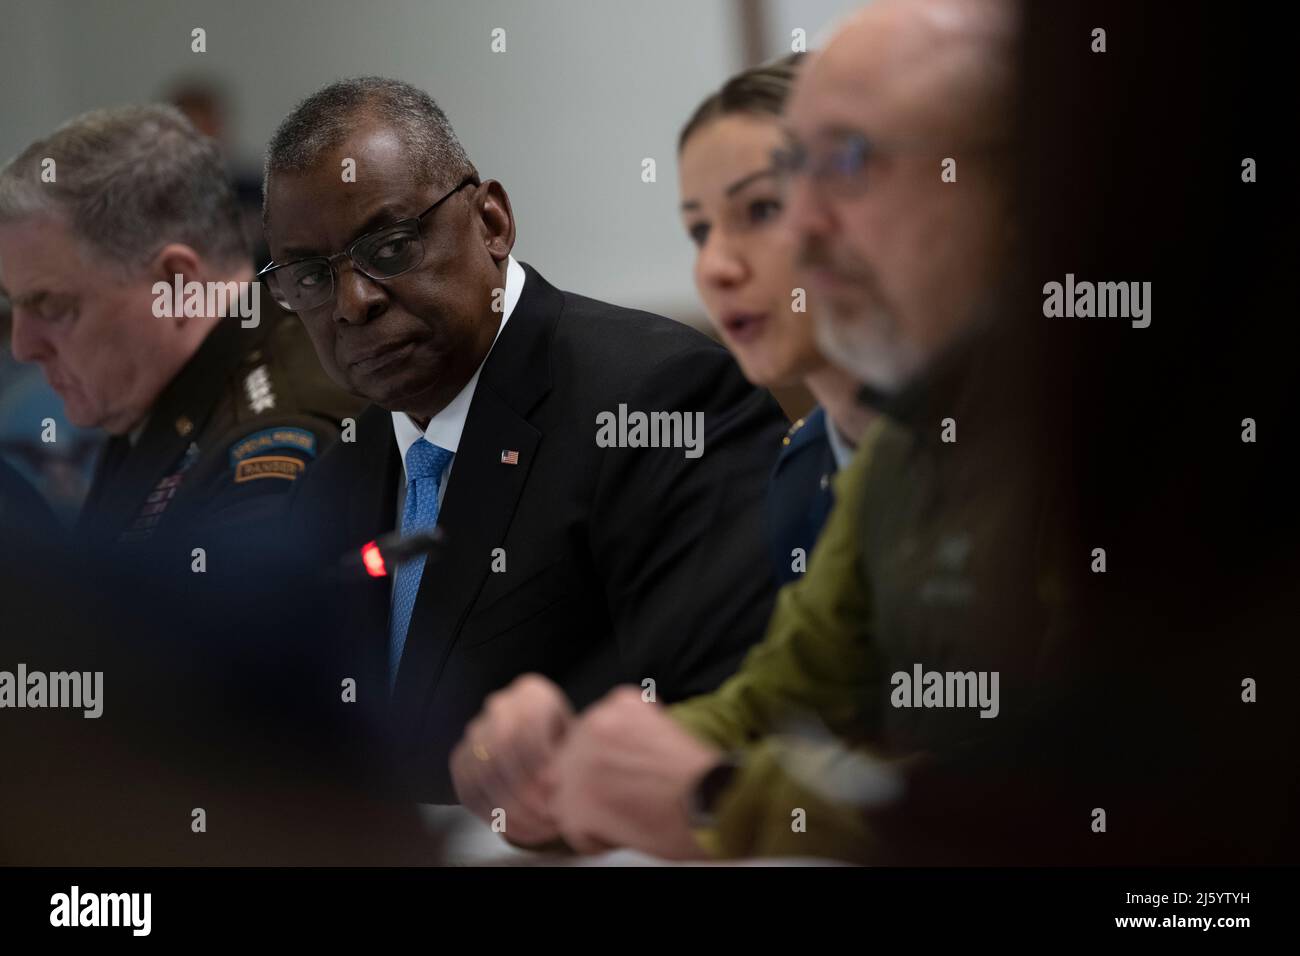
373 560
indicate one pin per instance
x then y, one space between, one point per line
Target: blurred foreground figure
153 719
121 251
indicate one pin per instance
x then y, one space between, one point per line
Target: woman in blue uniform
745 274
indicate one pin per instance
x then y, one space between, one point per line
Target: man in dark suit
597 473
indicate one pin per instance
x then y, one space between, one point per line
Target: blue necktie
425 463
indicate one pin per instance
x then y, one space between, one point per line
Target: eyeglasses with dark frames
306 284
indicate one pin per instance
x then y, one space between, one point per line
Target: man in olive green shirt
812 669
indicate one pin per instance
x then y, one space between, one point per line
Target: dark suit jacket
622 564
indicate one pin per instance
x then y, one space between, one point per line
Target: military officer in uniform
800 495
232 432
131 284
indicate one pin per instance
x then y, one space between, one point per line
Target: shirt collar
841 450
445 428
133 436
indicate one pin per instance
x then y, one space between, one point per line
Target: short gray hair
323 120
129 181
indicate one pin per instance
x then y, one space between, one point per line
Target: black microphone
380 558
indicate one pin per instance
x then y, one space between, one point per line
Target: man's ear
176 259
497 219
176 262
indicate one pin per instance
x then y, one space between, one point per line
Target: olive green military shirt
816 659
936 556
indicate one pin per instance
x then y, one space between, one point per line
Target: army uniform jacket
232 432
918 564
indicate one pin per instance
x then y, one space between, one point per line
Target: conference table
471 842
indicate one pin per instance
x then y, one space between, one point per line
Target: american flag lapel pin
509 457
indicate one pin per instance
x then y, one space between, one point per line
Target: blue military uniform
799 496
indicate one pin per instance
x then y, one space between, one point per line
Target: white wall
585 91
814 17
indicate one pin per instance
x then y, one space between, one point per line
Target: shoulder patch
269 466
257 388
269 439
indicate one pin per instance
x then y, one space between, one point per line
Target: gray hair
129 181
323 120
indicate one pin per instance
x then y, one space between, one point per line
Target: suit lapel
483 491
371 503
372 496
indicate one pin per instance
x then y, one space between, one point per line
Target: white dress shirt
841 450
445 428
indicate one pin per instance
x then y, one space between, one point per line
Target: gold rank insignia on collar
793 428
184 425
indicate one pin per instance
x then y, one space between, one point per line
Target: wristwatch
702 802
